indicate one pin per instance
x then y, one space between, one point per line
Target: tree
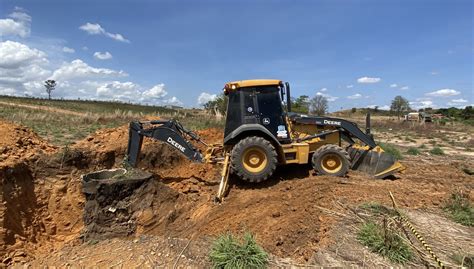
217 106
399 105
354 110
49 85
300 104
318 105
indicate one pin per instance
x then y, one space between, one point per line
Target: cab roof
234 85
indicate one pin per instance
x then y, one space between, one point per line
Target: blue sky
356 53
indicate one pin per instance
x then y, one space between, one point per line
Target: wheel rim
254 160
331 163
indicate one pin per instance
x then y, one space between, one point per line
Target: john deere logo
266 121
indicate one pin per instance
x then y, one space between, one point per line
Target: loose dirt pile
19 143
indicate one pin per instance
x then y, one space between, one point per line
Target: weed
422 146
384 241
460 208
392 150
229 252
413 151
378 208
464 260
437 151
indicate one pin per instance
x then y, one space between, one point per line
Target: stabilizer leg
224 179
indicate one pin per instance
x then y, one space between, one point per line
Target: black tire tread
236 157
335 149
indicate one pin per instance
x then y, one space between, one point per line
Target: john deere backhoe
261 133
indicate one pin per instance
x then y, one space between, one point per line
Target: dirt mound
106 149
18 143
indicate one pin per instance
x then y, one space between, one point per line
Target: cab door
270 112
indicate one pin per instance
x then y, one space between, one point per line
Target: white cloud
355 96
18 24
368 80
434 73
350 86
116 90
19 65
68 50
79 69
404 88
96 29
103 56
323 89
394 85
15 54
205 97
422 103
156 92
443 93
460 100
173 101
328 97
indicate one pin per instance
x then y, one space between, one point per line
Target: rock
276 214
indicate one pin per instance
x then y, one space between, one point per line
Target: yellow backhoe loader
261 133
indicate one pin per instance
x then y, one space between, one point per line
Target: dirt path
45 108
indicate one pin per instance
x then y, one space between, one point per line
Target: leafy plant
386 242
437 151
230 252
413 151
392 150
460 208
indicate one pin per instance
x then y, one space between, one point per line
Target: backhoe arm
170 132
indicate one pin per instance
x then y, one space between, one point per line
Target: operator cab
254 104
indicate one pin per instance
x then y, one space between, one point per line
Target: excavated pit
109 208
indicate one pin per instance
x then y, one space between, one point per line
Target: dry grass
61 127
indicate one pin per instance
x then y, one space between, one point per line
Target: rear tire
254 159
331 160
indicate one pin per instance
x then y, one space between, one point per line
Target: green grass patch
413 151
460 208
385 242
437 151
392 150
464 260
230 252
378 208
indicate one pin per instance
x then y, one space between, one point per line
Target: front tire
254 159
331 160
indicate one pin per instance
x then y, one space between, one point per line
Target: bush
413 151
460 208
392 150
387 243
229 252
422 146
437 151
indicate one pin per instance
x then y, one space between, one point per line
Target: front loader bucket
374 162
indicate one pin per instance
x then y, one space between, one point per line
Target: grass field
64 121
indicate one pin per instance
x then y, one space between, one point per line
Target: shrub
413 151
437 151
392 150
386 242
422 146
229 252
460 208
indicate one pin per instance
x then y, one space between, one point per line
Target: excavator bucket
374 161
